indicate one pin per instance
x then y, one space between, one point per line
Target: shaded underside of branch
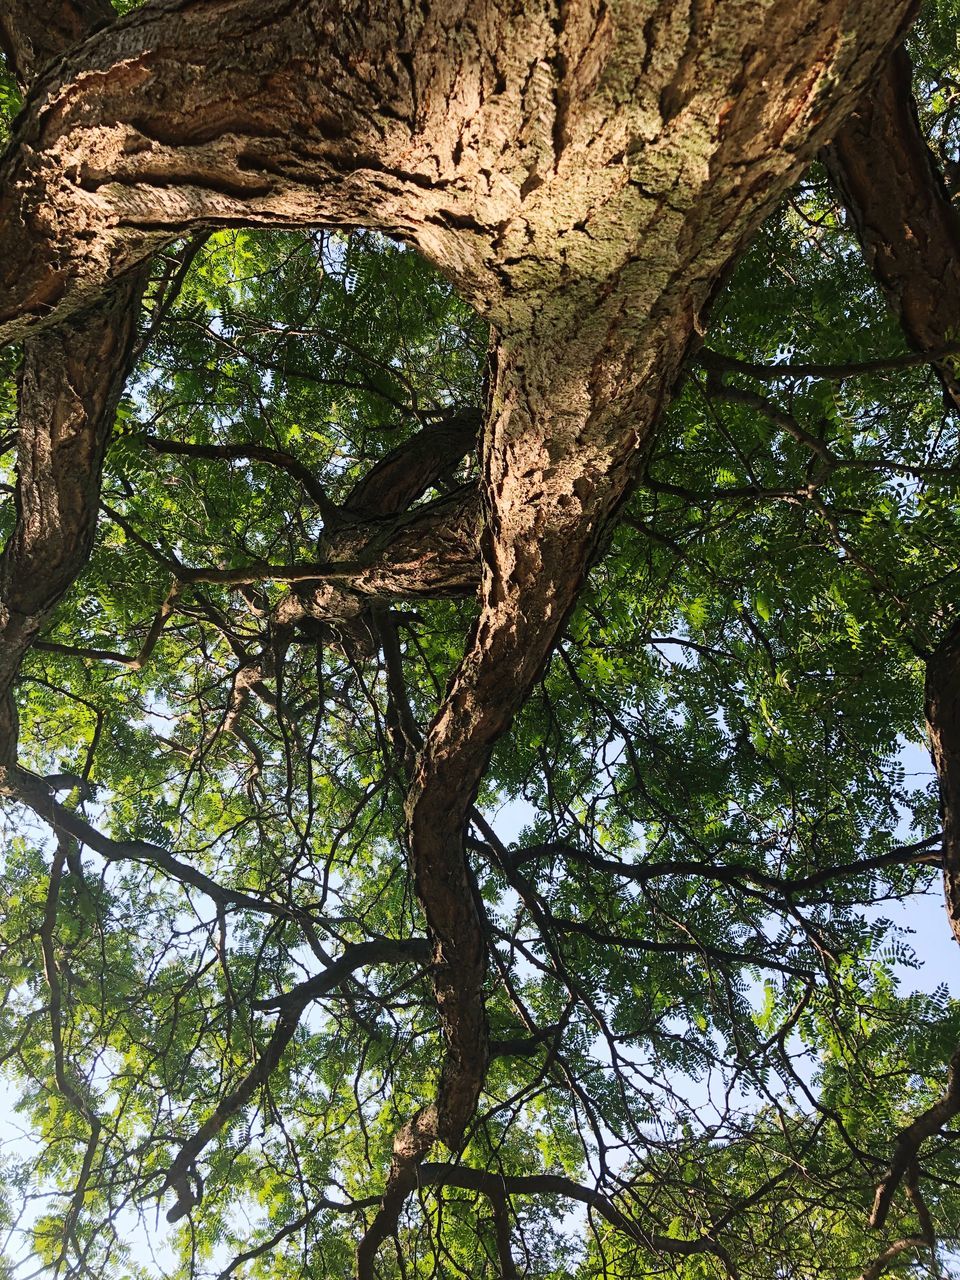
901 211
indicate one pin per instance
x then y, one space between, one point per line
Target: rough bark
65 410
899 206
523 150
585 174
574 399
70 382
430 551
32 34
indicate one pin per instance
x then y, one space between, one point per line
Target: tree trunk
70 383
899 206
584 173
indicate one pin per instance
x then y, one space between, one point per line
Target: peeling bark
899 206
525 154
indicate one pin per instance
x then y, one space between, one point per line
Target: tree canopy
481 539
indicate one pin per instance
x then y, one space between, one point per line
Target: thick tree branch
69 387
429 551
586 179
910 231
432 550
357 955
70 383
406 473
33 34
156 127
889 1257
575 395
900 208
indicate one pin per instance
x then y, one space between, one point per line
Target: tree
294 593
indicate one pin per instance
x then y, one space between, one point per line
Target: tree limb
290 1006
900 209
910 1139
549 1184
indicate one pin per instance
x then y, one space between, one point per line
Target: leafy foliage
701 1036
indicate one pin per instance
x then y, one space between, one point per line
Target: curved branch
156 127
32 35
884 1261
356 956
901 211
578 386
910 1139
926 852
633 161
549 1184
291 1007
408 471
37 795
249 453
